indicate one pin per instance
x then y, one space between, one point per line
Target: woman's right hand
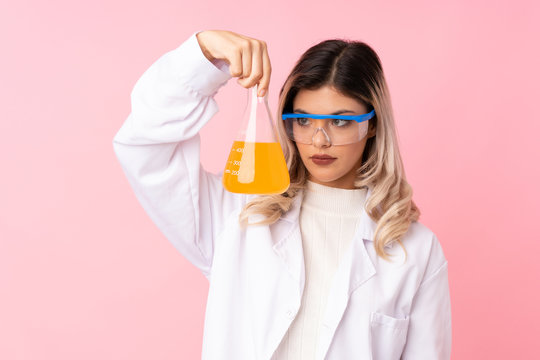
247 57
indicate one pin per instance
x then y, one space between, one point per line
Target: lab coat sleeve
430 331
158 147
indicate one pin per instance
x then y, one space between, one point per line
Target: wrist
204 49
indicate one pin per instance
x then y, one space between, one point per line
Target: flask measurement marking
270 172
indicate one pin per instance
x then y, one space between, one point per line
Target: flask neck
257 121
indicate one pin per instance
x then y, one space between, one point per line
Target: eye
302 121
340 122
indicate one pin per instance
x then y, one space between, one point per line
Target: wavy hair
353 69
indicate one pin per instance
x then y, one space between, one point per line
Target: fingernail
262 92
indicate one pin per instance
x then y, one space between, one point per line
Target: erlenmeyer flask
256 164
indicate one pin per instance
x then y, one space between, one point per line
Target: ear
372 129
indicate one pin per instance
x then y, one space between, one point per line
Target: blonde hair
354 69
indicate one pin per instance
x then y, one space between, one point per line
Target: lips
322 159
322 156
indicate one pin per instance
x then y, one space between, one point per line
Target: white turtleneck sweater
328 220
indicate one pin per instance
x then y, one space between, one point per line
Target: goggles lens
326 129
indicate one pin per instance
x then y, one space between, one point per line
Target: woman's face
341 171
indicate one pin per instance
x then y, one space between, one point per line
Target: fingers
252 59
247 57
235 64
259 65
264 83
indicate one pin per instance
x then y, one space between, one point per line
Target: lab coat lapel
355 268
288 243
276 277
287 240
284 237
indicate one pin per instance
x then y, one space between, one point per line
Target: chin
324 178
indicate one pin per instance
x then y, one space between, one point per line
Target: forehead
326 100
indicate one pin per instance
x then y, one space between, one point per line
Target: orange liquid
256 168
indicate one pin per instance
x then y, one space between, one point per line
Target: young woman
338 267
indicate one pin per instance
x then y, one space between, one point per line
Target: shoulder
424 249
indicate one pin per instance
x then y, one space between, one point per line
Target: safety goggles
326 129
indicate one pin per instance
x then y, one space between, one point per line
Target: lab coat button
290 313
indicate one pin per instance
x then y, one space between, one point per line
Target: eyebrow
339 112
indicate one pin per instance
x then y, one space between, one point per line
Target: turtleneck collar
342 202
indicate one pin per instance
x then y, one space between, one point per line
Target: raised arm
158 145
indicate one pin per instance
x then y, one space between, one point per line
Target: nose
320 138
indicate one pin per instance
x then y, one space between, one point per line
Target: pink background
84 274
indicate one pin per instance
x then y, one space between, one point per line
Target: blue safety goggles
357 118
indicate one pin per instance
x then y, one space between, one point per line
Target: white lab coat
376 309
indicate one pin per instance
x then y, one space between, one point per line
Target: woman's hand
247 58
